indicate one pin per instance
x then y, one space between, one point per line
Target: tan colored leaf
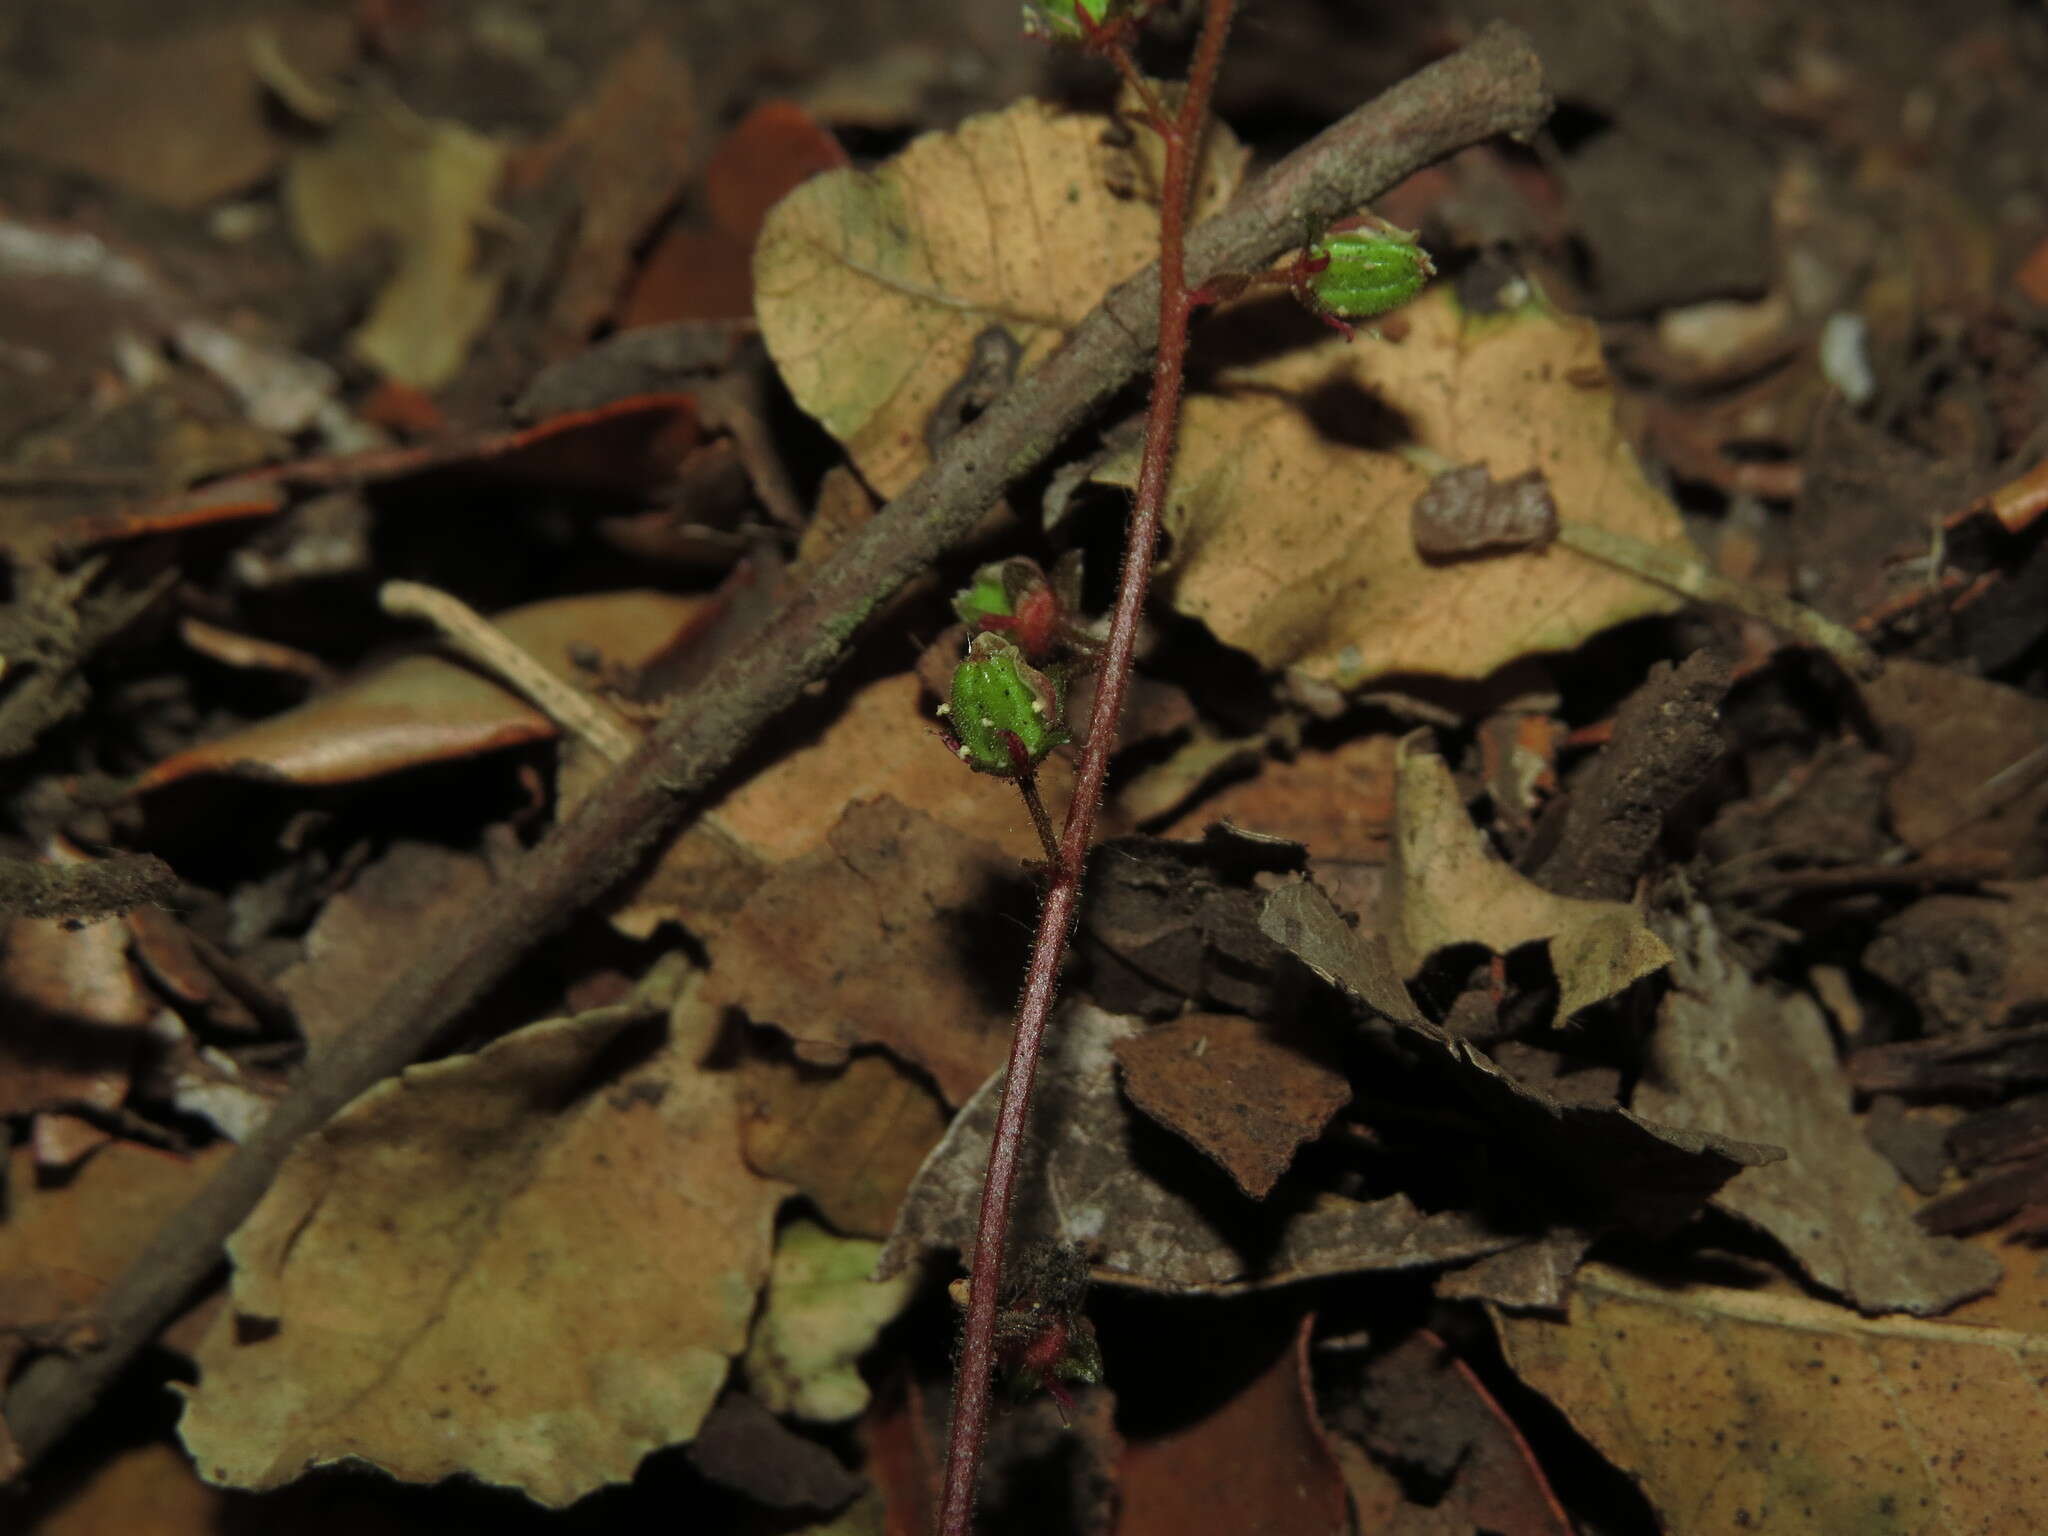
489 1266
883 742
173 114
1752 1410
849 1141
1289 512
1746 1059
426 186
879 939
871 286
426 708
823 1311
1449 889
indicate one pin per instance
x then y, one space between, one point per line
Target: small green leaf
1368 272
1005 714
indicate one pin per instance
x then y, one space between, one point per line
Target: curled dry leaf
1149 1212
1293 487
1735 1056
823 1310
1632 1169
872 286
1448 889
426 709
1758 1410
511 1264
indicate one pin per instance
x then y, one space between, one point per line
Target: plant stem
1027 786
1183 137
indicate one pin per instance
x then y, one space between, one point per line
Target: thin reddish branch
1183 136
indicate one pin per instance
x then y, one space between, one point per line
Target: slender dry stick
1493 86
1183 136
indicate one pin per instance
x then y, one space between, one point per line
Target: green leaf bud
1005 714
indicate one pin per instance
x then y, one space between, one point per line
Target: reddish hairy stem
1183 136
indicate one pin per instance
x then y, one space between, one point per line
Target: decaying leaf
62 1245
1259 1465
1150 1212
1420 1408
745 1447
1289 513
425 186
1758 1410
1634 1170
822 1312
1244 1093
871 286
1973 784
879 939
850 1141
426 708
513 1264
410 896
1739 1057
1448 889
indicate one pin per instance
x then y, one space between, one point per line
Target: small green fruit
1368 272
1005 714
989 596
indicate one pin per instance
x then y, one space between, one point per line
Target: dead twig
1493 86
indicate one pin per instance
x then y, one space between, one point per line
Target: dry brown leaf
1289 513
426 709
850 1141
72 1011
1752 1410
1633 1169
1257 1466
1974 784
1420 1408
1152 1213
880 938
173 114
871 286
1448 889
883 742
413 894
477 1268
1739 1057
426 186
1338 803
1242 1092
628 152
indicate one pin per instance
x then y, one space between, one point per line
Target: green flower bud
1368 272
1005 714
1057 18
988 596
